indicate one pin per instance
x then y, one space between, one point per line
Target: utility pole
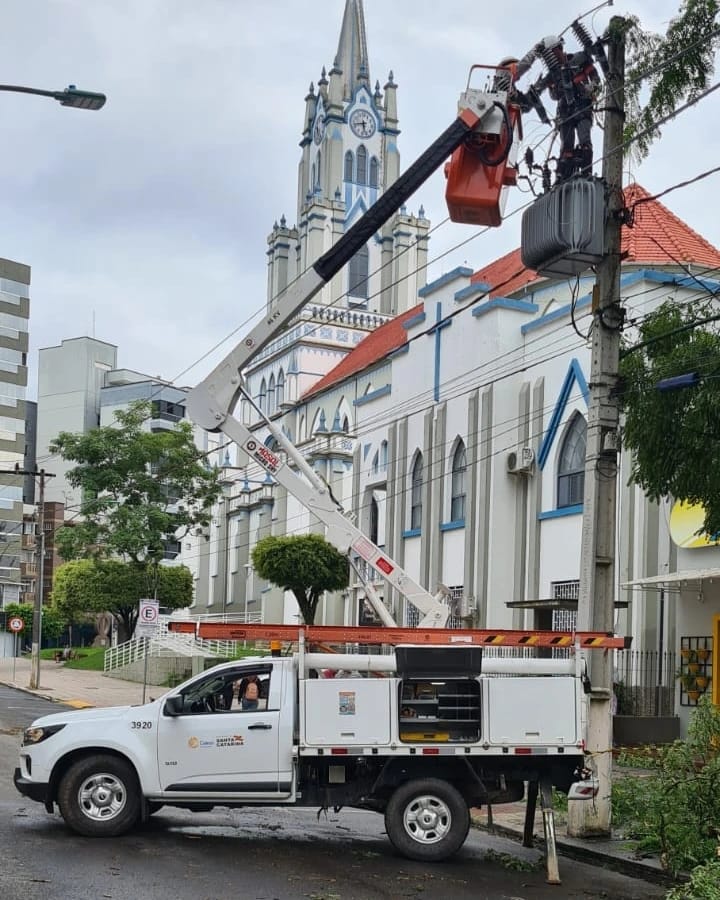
37 608
596 603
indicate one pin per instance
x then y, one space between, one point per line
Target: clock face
319 129
362 123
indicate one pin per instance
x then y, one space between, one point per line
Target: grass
88 658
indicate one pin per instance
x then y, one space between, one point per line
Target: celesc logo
260 453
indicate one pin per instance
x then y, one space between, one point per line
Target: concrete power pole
596 604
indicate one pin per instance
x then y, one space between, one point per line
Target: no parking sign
15 624
148 618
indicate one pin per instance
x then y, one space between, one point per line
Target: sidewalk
82 689
613 853
75 687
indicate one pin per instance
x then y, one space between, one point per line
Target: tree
140 489
674 435
108 585
53 621
676 68
304 564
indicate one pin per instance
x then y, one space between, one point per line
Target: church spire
352 55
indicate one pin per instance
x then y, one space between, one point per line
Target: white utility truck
421 735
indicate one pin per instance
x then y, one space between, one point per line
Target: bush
676 810
704 884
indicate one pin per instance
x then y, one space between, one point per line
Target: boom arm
211 402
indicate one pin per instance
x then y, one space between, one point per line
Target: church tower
349 156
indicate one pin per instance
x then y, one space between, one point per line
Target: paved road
256 854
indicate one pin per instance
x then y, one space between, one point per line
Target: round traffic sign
15 623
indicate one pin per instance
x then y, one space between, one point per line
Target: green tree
110 585
674 435
305 564
139 490
53 621
664 71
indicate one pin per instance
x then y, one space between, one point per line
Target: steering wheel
209 703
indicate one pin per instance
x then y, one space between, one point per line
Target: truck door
225 737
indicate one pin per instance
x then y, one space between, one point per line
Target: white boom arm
211 403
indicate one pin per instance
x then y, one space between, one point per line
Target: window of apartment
457 486
167 410
416 487
571 465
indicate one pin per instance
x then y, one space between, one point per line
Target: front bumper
35 790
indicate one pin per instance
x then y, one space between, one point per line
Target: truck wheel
99 796
427 820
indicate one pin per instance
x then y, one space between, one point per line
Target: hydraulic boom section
211 403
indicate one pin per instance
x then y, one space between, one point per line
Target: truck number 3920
143 725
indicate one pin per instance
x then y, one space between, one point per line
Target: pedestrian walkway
76 687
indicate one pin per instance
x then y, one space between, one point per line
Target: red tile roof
655 224
375 346
658 237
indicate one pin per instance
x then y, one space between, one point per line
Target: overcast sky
145 223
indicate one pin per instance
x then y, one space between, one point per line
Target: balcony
28 570
28 542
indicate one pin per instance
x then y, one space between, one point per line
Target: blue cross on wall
437 329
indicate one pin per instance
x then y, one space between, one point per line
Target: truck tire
99 796
427 819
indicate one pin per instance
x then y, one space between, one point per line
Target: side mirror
174 706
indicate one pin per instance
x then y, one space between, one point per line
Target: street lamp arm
71 96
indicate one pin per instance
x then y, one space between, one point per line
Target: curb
633 868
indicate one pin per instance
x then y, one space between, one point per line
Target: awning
677 580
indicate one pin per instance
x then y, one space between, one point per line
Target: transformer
563 231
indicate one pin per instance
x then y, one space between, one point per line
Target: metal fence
644 682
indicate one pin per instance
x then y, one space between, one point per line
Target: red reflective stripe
523 751
339 751
431 751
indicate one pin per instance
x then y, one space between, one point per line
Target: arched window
374 168
457 487
362 161
571 464
263 396
358 273
349 166
384 455
416 488
301 430
375 464
319 169
374 520
280 390
271 396
312 178
346 425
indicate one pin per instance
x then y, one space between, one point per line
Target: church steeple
352 55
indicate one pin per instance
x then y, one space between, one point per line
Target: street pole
37 606
596 603
37 610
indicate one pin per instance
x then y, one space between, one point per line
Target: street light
71 96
